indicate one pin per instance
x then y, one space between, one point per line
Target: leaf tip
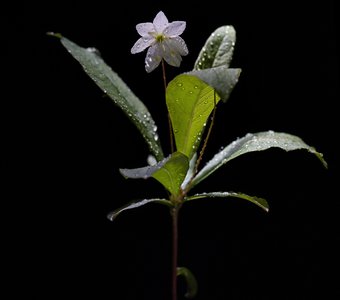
55 34
123 173
111 216
323 161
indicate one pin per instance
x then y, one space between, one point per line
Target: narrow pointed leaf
112 85
135 204
190 280
221 78
256 200
170 172
190 102
255 142
144 172
218 49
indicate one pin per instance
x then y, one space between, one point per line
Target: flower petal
153 58
160 22
179 44
171 54
142 44
174 28
145 28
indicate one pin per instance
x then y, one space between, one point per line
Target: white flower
164 41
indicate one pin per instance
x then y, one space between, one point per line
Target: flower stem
174 214
169 120
207 137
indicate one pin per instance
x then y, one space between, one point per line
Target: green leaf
190 280
190 102
221 78
170 172
134 204
255 142
218 49
112 85
256 200
190 173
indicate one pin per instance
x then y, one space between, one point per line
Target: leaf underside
262 203
218 49
135 204
112 85
255 142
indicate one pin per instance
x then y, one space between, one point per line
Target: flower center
160 38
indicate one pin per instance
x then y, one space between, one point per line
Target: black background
64 143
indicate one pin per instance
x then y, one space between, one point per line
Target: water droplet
190 92
176 130
154 128
156 137
195 87
93 50
179 84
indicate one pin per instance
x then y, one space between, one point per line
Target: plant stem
174 214
169 120
207 136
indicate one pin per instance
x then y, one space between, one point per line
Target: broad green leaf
170 172
134 204
256 200
190 102
190 280
221 78
255 142
112 85
218 49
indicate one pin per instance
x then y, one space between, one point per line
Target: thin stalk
169 120
174 214
207 136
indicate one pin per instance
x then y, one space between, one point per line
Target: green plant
192 99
